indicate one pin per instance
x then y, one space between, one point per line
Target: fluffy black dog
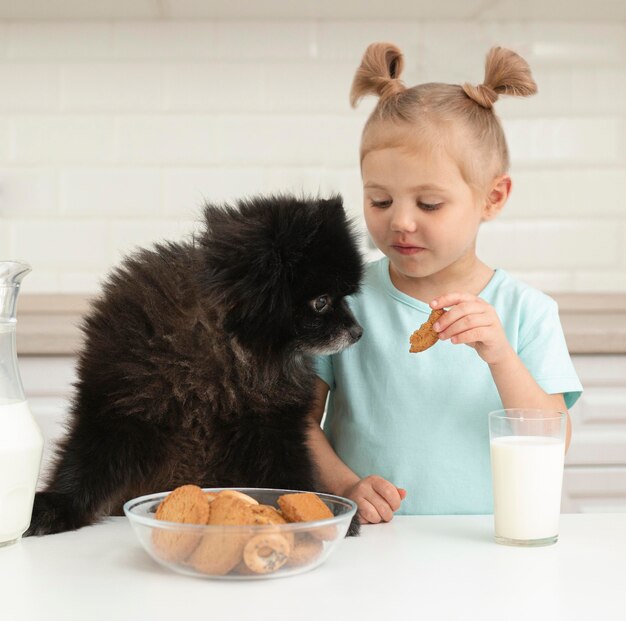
197 360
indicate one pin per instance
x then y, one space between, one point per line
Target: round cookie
266 553
264 514
187 505
233 493
221 551
425 337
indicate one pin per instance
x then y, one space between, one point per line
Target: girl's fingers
367 512
387 492
465 323
381 506
456 312
451 299
469 337
377 509
378 500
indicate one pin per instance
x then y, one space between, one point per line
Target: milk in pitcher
21 445
21 442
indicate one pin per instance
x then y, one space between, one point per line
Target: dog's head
280 267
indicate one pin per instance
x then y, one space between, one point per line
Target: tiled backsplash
112 134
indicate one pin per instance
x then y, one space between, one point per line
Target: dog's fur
197 360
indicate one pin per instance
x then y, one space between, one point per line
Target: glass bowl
234 552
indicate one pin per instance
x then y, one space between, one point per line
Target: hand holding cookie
472 321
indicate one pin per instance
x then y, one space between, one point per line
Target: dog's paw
52 513
354 530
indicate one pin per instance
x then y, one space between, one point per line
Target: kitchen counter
418 567
48 323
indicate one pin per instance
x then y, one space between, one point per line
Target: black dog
197 361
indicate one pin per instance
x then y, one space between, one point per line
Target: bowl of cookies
239 533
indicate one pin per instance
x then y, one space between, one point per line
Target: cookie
303 507
233 493
264 514
307 507
187 505
266 553
305 550
219 552
425 336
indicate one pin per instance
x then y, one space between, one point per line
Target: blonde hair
433 113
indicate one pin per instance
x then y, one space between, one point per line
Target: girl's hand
376 498
474 322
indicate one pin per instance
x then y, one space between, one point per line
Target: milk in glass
527 478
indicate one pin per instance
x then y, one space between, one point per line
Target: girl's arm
474 322
335 476
517 386
377 499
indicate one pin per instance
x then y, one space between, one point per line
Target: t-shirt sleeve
324 369
543 350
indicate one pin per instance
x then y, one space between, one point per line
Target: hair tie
391 87
482 94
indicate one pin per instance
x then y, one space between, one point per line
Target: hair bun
506 73
379 73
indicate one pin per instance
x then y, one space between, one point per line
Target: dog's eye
321 304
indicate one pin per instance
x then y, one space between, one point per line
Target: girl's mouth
407 250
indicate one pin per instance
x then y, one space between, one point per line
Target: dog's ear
334 203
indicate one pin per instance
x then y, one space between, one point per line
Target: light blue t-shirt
420 420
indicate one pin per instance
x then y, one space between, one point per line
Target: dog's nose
356 332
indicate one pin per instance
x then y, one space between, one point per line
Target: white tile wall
57 139
110 192
557 243
114 133
154 41
110 87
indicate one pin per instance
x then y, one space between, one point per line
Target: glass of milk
21 442
527 456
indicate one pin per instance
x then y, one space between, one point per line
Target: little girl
406 431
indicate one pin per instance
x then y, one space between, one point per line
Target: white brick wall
113 133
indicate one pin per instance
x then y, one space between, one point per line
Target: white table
423 567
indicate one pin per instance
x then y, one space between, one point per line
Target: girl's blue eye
429 207
381 204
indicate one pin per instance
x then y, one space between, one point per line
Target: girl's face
420 212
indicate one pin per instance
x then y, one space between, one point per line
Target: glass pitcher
21 442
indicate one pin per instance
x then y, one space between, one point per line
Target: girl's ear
496 197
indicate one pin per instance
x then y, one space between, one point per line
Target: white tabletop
423 567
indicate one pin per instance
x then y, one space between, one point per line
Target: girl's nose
403 217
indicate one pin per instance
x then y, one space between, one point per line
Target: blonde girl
408 432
